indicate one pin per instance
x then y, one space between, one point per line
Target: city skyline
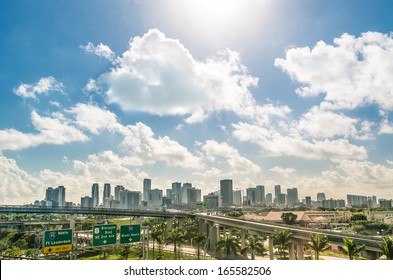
292 92
225 196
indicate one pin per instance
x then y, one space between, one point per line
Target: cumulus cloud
272 143
43 86
143 148
94 118
50 130
158 75
100 50
351 73
236 162
16 185
318 123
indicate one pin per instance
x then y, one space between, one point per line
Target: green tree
228 244
176 237
289 218
254 244
318 243
281 239
358 217
124 252
352 247
387 247
199 238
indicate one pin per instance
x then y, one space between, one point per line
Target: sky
291 92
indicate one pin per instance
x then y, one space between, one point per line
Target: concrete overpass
30 209
211 224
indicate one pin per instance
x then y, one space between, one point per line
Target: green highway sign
56 241
104 235
130 234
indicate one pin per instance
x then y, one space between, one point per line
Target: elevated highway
30 209
299 237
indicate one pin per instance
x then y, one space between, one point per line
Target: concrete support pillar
243 238
72 222
292 250
214 235
271 247
300 250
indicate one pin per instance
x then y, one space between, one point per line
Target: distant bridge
30 209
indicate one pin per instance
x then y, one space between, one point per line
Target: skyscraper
237 198
321 197
146 189
61 195
118 189
107 190
260 194
176 193
251 196
277 190
292 196
226 190
95 194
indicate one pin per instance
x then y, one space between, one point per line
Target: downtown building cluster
185 196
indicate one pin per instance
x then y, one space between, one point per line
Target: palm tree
176 237
387 247
156 234
228 243
352 247
199 239
281 239
254 244
318 243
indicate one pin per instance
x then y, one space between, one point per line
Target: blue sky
297 93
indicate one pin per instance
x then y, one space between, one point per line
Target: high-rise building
118 189
155 198
226 191
321 197
129 199
185 192
269 198
95 194
260 194
107 190
176 193
55 196
86 202
281 199
333 203
277 190
237 198
251 196
308 201
357 200
292 196
61 196
146 189
211 200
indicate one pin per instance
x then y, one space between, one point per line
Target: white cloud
283 171
158 75
100 50
43 86
318 123
351 73
16 185
144 148
272 143
385 127
95 119
51 130
236 162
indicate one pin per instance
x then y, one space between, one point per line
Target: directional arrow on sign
104 241
130 239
